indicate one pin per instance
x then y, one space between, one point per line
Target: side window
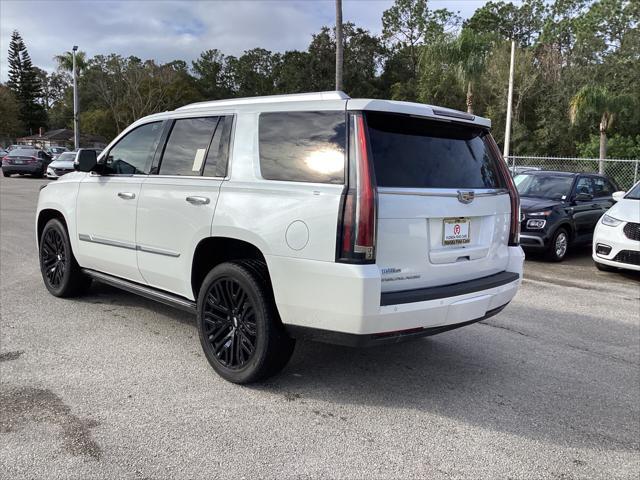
602 187
133 153
187 146
303 146
584 185
218 154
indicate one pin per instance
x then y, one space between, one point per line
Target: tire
240 330
558 246
60 272
605 268
6 174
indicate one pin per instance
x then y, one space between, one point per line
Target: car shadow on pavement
490 375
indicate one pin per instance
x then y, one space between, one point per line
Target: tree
10 124
24 84
212 75
65 62
520 23
594 100
468 54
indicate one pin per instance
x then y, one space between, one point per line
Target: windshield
553 187
634 193
67 157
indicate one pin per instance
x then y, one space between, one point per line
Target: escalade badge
466 196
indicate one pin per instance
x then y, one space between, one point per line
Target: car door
586 210
106 204
178 201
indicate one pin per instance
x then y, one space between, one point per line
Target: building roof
63 135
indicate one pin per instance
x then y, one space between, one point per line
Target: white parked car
316 216
616 240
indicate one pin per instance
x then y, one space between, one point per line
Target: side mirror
584 197
617 196
86 160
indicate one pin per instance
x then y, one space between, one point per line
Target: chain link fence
625 172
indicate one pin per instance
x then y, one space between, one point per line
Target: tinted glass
584 185
416 153
218 154
133 154
187 146
602 187
303 146
23 152
555 187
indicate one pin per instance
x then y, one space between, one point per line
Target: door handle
127 195
198 200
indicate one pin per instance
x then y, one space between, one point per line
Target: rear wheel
6 174
240 330
558 245
60 271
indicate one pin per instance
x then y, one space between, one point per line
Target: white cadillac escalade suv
315 216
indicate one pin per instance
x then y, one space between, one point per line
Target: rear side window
602 187
412 152
303 146
187 146
218 154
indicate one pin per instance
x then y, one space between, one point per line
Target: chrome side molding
130 246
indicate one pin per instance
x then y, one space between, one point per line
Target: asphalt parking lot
115 386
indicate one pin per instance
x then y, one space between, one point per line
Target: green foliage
25 85
618 146
583 50
10 123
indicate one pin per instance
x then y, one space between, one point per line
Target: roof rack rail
295 97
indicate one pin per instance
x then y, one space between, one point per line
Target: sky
169 30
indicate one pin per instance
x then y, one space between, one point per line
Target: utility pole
76 127
339 45
507 132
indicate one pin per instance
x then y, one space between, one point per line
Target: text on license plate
455 231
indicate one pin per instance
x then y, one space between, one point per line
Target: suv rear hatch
444 209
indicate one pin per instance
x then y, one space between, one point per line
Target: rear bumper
347 299
372 340
30 168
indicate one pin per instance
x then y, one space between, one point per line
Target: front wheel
240 330
558 245
60 271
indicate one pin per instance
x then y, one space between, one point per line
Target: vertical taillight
357 222
514 229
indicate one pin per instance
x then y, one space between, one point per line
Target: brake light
5 159
357 224
514 229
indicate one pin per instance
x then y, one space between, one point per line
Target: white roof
324 101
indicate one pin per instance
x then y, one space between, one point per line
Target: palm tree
468 54
65 61
594 100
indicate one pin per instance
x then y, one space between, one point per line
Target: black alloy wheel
230 323
61 273
240 330
53 257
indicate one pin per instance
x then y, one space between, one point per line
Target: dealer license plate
455 231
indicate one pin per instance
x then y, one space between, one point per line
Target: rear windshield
413 152
23 152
